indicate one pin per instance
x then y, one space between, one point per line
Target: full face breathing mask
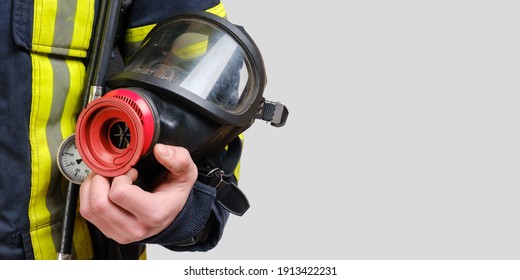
196 81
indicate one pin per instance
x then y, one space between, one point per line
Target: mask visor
201 58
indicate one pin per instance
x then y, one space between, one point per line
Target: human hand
126 213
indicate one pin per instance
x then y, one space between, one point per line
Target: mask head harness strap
221 176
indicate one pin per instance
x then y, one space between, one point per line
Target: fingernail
163 150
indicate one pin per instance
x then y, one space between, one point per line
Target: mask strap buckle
218 174
274 112
222 179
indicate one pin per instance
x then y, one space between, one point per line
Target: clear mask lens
202 59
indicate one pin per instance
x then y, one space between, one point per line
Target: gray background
402 140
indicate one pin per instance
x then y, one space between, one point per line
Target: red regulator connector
114 131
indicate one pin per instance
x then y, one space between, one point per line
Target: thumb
177 160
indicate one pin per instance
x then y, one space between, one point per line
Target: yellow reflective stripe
137 34
55 112
218 10
83 23
43 24
74 97
196 49
143 256
237 169
132 40
193 50
39 215
50 17
81 240
81 236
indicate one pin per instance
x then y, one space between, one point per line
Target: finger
151 210
178 161
155 210
131 197
84 190
126 179
99 210
86 209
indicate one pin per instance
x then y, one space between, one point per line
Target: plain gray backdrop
403 137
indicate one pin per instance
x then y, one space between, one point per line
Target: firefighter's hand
126 213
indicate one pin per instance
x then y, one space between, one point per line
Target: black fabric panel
146 12
15 105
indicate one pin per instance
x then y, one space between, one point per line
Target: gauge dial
70 163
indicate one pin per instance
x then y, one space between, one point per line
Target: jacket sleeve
198 227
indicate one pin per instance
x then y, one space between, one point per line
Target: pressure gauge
70 163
